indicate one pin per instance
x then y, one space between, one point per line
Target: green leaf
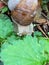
6 26
37 33
4 9
23 52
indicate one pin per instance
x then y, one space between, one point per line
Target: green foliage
29 51
25 50
45 1
37 33
44 5
6 26
4 9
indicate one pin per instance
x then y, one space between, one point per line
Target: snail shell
22 11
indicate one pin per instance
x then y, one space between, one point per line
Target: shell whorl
12 4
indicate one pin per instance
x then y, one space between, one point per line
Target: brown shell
23 12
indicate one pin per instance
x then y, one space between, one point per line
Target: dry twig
39 27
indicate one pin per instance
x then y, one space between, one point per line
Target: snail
22 13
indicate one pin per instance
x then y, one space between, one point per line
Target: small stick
45 16
39 27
